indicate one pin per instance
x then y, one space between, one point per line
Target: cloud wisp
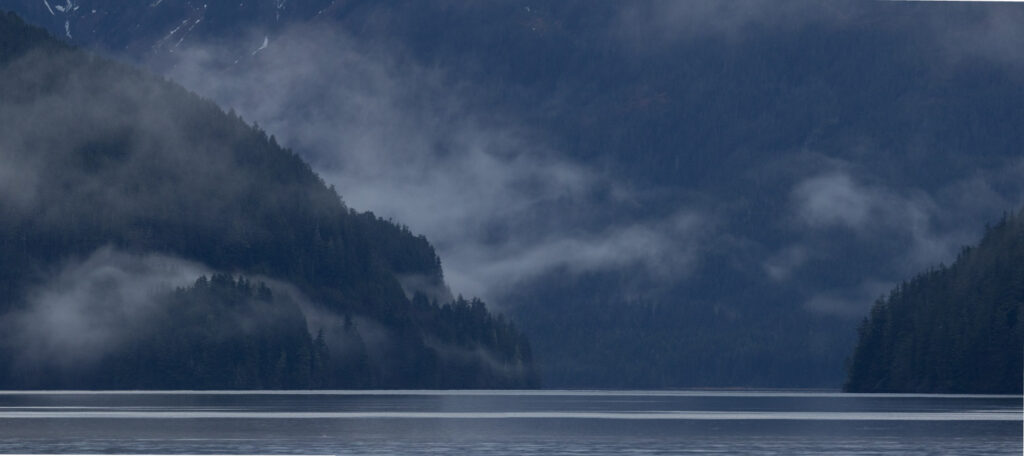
412 144
912 229
502 206
94 306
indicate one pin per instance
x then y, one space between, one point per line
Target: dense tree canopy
954 329
97 155
829 149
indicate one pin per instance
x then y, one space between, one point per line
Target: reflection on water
503 422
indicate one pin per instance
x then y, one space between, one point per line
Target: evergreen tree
953 329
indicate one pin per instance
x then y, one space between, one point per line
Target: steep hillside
954 329
712 193
118 187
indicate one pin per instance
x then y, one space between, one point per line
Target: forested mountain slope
711 193
118 188
954 329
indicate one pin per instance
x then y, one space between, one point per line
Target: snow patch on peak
66 8
266 41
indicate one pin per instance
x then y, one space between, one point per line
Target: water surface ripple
508 422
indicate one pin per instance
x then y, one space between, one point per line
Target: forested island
953 329
148 239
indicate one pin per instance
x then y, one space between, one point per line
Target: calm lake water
509 422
